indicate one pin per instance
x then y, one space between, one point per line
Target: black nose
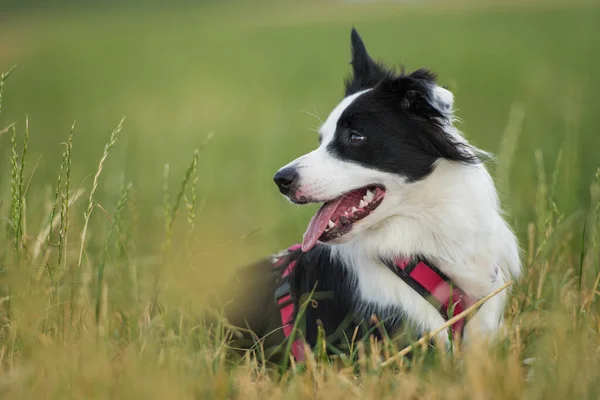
285 179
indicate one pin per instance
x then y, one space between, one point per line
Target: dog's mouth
336 217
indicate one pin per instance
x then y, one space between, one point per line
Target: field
112 242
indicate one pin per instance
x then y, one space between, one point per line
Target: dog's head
386 134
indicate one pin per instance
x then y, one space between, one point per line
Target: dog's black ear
366 73
362 64
419 94
429 107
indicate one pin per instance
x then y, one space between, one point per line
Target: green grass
111 243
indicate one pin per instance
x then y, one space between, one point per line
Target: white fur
444 99
452 216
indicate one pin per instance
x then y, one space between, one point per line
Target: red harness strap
435 287
422 276
283 297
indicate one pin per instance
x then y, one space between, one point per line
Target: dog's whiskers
315 115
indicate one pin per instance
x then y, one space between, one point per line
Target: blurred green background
253 72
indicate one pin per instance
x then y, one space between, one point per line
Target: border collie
402 191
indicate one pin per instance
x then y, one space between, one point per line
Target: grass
111 242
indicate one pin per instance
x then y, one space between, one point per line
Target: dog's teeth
330 224
362 204
354 209
369 196
346 213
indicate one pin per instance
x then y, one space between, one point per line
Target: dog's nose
285 179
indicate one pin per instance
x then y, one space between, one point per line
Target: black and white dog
407 204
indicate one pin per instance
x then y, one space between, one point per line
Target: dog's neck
452 220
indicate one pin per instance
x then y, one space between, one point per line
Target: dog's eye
355 137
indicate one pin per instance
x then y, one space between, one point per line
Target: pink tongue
318 223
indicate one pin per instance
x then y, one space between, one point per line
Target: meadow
115 230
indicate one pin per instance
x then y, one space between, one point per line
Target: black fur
336 308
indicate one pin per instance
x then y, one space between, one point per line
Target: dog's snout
285 179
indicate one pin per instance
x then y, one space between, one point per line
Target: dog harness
421 275
283 298
435 287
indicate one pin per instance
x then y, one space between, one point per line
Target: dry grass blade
448 323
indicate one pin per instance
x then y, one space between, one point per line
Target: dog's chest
379 291
353 286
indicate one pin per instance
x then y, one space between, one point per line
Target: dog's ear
362 63
366 73
419 94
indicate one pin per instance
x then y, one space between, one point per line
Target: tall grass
83 316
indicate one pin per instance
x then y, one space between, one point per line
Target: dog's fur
440 202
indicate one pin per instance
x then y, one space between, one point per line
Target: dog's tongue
318 223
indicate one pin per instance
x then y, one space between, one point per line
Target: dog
408 208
